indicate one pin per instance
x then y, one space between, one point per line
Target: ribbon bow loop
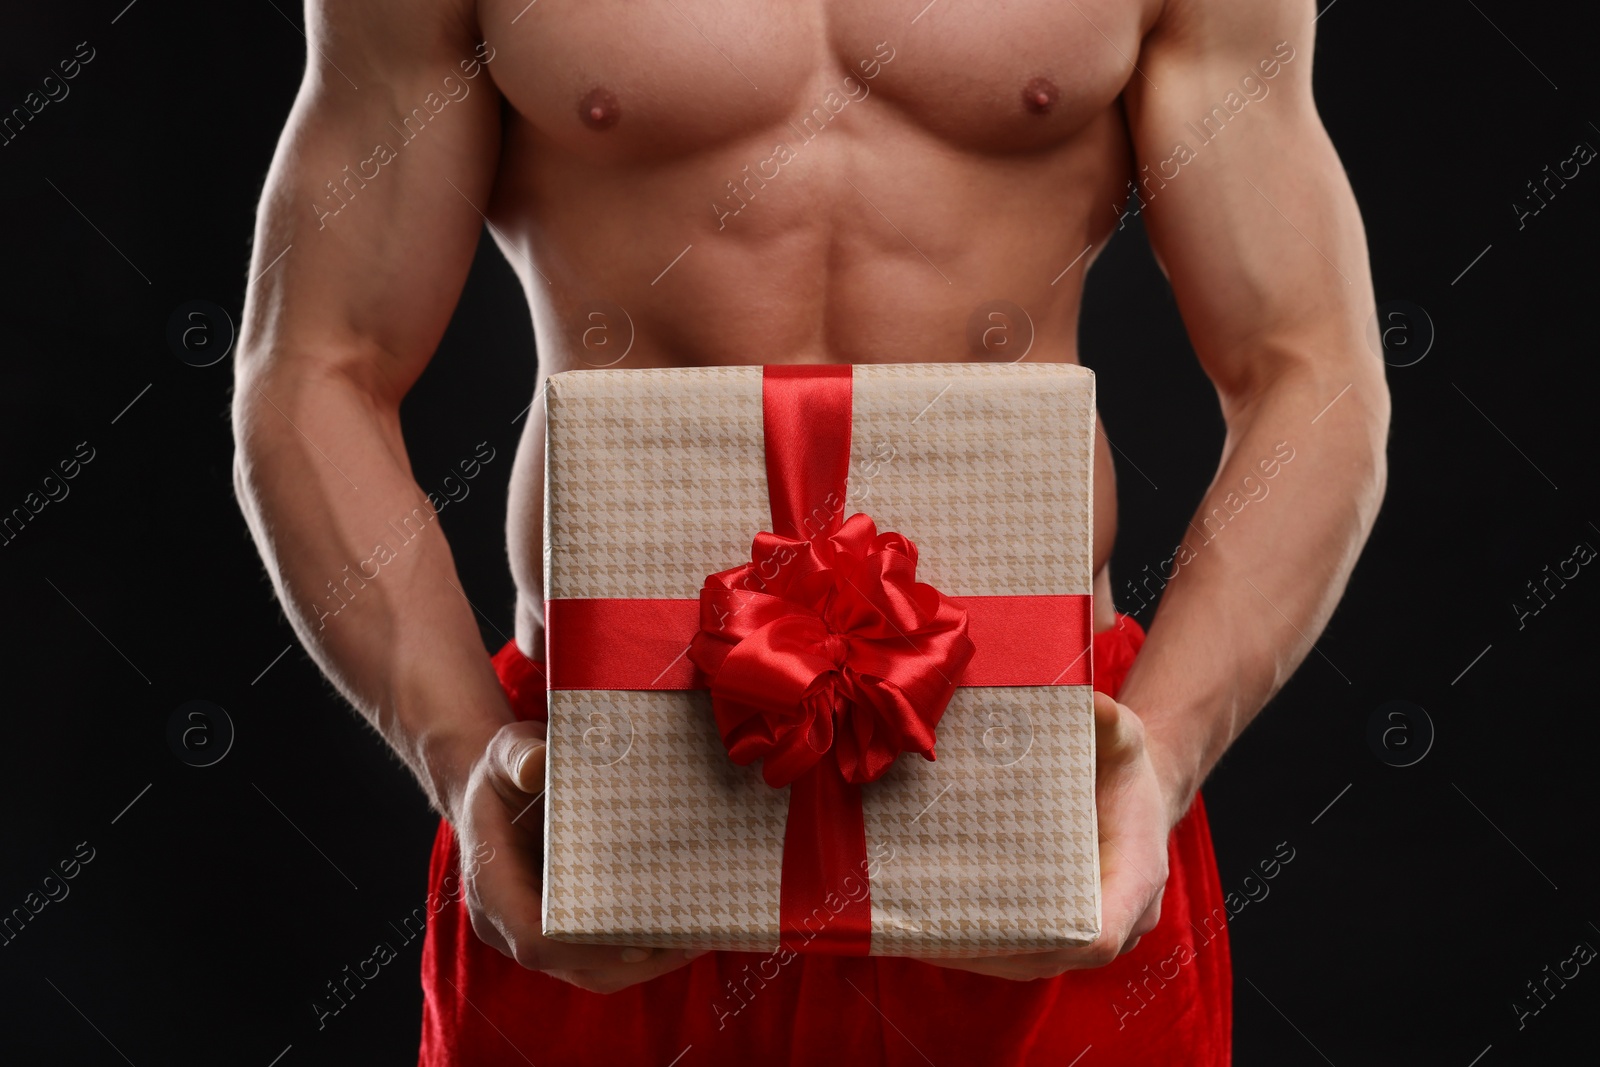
829 645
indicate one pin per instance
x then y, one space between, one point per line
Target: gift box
774 594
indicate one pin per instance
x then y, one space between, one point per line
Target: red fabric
1169 1001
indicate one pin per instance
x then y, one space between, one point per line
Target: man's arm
1262 241
1259 234
335 332
366 231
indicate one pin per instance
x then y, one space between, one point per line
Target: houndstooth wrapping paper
655 479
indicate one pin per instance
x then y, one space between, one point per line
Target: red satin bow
829 644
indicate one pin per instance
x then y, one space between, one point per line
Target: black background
216 906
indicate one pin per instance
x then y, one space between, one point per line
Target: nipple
599 110
1040 95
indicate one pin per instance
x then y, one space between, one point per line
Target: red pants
1169 1001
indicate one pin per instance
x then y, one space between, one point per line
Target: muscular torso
702 182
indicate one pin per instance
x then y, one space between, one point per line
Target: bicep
369 217
1246 204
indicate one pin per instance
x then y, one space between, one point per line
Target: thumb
1118 731
518 755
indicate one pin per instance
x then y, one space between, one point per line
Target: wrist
446 757
454 716
1181 736
1178 768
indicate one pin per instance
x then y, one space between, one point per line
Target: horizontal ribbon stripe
621 643
1029 640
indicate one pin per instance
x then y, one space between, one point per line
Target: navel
1040 95
599 110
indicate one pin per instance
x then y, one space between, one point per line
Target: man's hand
501 809
1135 821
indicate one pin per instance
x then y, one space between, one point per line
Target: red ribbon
823 643
636 643
842 650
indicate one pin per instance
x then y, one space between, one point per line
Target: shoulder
1197 48
378 32
1230 27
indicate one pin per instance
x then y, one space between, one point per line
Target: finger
1014 968
1130 904
516 933
508 895
974 966
1117 730
533 950
517 755
610 979
487 932
517 922
1131 887
560 957
1146 922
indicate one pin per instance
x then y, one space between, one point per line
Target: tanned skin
979 152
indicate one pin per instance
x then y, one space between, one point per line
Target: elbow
242 417
1368 436
268 402
1377 411
1342 389
1380 471
250 440
251 431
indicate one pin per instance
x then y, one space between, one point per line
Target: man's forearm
1263 563
362 568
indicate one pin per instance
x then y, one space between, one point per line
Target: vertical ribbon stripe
806 427
806 412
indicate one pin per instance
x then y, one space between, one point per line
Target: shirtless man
812 182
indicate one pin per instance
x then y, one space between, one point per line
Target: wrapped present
818 646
